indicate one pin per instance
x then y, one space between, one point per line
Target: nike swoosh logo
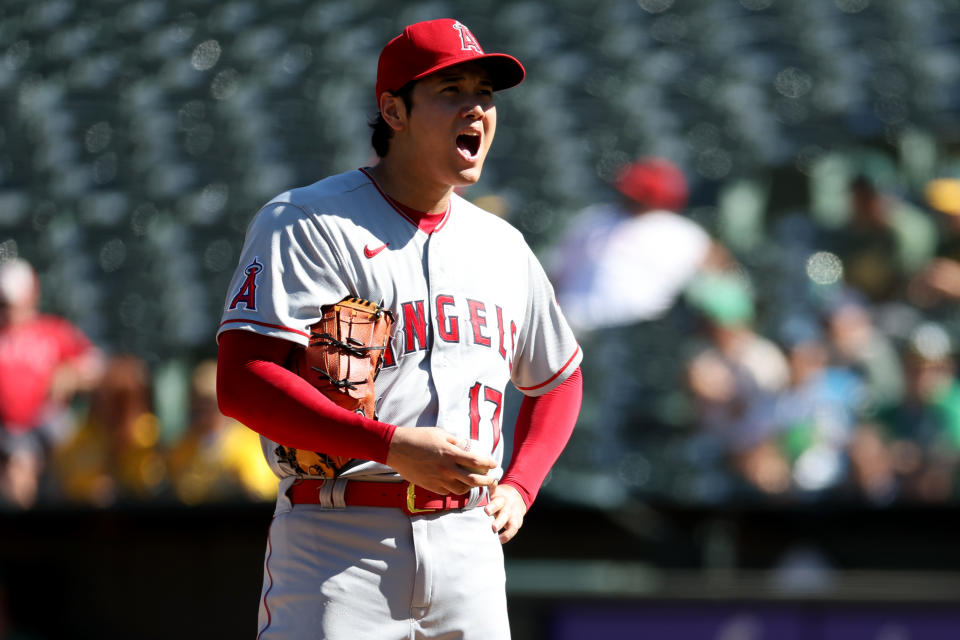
367 251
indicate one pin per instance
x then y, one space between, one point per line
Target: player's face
452 123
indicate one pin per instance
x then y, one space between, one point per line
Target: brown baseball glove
342 360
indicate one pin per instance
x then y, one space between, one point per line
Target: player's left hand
507 508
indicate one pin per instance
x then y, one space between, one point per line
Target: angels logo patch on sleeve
247 294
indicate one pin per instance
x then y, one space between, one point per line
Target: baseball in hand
469 446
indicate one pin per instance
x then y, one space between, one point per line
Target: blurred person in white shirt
635 255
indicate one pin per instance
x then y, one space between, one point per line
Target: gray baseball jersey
474 311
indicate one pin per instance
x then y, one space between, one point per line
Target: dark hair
380 138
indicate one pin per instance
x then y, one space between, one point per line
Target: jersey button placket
440 370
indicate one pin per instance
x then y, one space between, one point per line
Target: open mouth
468 144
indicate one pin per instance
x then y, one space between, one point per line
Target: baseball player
405 541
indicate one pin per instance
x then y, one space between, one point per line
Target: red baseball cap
427 47
655 183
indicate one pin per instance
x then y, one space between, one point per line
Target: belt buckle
411 506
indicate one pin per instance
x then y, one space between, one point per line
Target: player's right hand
431 458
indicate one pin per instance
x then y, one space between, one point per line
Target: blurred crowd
825 373
133 155
79 426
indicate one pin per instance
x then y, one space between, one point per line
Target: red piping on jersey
266 324
554 376
426 222
266 566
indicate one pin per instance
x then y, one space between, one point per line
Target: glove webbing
357 352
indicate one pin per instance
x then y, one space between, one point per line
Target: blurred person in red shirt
44 362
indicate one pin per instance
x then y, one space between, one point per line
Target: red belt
411 499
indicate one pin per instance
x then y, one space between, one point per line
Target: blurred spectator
621 263
923 432
734 374
871 466
939 281
799 437
217 458
619 270
886 241
737 368
113 457
856 343
727 306
44 361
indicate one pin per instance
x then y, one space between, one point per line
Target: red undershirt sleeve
255 388
543 428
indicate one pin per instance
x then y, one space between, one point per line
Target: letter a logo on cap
467 41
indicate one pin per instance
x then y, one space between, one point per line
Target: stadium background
137 139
